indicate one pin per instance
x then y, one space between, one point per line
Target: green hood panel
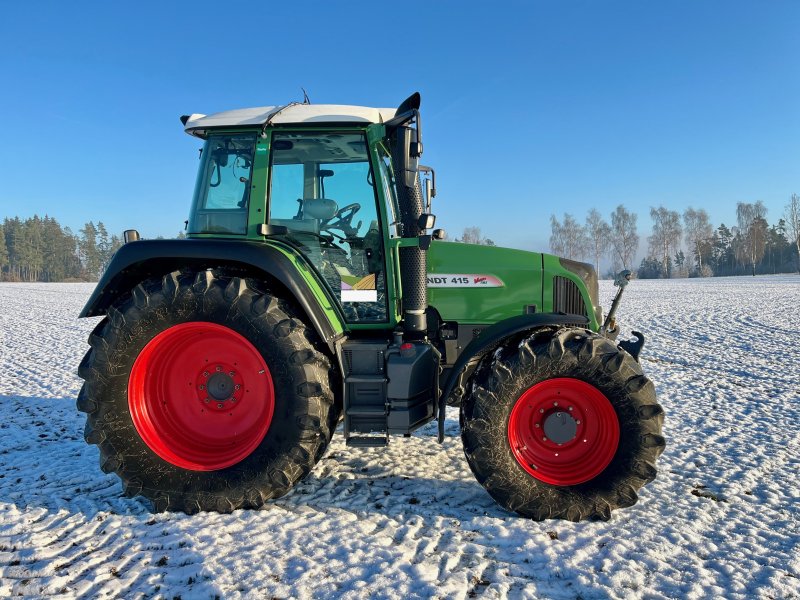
482 284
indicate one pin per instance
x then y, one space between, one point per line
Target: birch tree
792 216
567 239
598 233
753 228
699 233
624 237
666 236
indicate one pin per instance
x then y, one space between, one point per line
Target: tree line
40 249
687 244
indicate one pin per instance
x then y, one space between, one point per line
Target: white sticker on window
359 289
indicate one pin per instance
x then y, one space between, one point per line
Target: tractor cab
317 177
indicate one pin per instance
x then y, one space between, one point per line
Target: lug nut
219 368
207 400
202 387
578 422
544 438
219 405
231 373
541 410
570 408
205 373
536 425
237 387
555 403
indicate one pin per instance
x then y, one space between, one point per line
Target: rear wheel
206 393
562 425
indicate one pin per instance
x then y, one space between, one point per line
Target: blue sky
529 108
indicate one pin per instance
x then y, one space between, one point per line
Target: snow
721 520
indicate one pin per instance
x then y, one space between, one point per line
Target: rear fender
491 337
138 261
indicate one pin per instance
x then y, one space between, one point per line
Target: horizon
678 105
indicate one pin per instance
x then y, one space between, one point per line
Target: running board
368 441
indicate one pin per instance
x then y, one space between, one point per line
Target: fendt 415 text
313 289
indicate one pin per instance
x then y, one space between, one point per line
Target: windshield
322 188
222 192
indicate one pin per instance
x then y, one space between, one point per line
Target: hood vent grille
567 297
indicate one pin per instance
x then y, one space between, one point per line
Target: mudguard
136 261
491 337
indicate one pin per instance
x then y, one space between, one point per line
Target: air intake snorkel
406 150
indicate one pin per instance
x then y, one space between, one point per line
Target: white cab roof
197 125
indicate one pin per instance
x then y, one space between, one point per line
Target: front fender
136 261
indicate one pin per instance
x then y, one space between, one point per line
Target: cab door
322 189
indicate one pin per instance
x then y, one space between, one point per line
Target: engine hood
469 283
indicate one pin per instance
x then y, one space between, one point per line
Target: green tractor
313 289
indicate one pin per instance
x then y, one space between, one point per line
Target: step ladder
366 407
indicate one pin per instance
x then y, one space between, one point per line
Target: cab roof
198 125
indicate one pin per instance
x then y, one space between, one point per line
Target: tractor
312 290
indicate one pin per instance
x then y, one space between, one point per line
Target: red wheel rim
201 396
582 425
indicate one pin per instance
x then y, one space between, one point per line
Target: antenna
305 96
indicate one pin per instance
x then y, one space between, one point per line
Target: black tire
305 411
500 381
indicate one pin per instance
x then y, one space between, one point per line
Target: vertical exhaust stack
413 260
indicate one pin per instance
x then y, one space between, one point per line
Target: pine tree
3 251
90 254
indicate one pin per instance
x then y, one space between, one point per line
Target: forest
40 249
687 244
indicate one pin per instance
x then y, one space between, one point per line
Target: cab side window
222 192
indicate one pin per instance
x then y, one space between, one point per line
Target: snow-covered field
722 520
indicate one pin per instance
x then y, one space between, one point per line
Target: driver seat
313 211
321 209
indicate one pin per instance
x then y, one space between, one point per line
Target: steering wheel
343 220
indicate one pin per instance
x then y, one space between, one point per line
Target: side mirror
406 136
130 235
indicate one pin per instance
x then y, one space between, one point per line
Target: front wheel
562 425
205 392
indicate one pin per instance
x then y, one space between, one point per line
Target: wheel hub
220 386
560 427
